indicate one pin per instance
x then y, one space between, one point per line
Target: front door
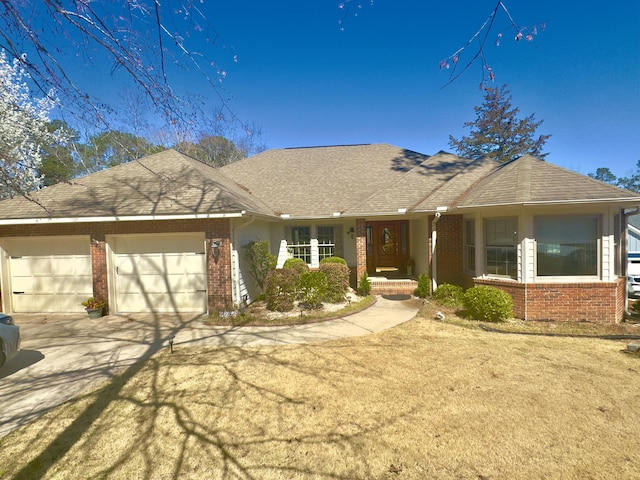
387 247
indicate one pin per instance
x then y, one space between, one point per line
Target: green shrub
259 260
337 280
339 260
296 264
281 287
364 287
449 295
424 286
313 289
488 303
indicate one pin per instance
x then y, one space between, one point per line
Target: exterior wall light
215 250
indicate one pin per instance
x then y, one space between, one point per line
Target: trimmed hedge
337 280
488 303
281 288
313 289
296 264
339 260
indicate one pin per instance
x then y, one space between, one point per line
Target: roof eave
119 218
623 201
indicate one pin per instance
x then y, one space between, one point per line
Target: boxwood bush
296 264
337 280
488 303
449 295
339 260
281 287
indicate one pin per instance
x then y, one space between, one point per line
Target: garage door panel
51 274
161 283
163 302
158 263
70 266
164 273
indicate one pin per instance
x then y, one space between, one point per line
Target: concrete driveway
64 355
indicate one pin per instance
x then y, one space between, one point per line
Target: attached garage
158 273
51 274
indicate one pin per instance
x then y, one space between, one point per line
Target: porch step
383 286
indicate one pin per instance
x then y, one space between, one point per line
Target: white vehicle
633 275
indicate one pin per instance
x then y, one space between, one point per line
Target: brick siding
449 249
594 302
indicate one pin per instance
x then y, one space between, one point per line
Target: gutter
132 218
554 202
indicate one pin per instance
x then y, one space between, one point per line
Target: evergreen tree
631 182
498 133
604 175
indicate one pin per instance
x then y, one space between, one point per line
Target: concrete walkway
64 355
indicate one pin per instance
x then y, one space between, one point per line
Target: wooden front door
387 246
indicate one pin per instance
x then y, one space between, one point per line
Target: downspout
236 280
434 258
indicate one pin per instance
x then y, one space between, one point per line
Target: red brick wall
594 302
99 268
449 249
218 274
219 286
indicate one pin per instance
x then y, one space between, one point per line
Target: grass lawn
424 400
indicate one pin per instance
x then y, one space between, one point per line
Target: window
326 243
501 237
566 246
329 239
470 245
300 243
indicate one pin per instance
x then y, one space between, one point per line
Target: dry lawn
425 400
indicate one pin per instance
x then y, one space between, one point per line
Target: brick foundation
594 302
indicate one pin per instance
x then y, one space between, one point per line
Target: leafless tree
146 40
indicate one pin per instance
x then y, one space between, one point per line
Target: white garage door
160 273
51 274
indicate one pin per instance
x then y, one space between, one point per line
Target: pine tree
498 133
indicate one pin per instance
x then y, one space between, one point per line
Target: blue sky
306 82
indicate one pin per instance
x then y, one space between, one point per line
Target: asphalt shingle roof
528 180
322 180
166 183
355 180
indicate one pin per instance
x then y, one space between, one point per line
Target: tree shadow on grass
208 411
